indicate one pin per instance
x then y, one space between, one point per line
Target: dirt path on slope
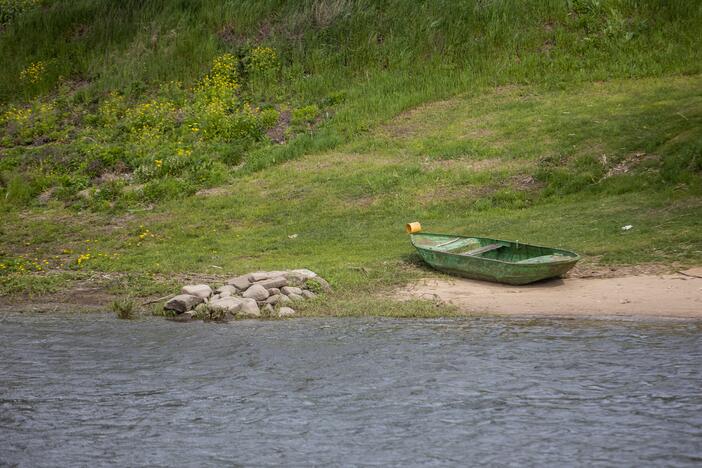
671 296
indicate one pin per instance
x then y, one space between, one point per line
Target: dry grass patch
215 192
447 192
474 165
336 161
421 119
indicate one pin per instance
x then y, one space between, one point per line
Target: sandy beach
671 296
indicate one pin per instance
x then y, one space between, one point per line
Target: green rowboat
492 259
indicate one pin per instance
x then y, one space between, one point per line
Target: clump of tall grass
125 309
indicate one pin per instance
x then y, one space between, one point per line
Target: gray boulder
273 299
285 312
308 294
183 303
240 282
273 291
295 297
226 305
277 282
283 299
275 274
199 290
288 290
226 290
256 292
184 317
302 274
258 276
298 277
249 308
268 310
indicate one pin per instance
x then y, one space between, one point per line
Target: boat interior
505 251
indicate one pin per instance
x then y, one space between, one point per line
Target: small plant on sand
125 309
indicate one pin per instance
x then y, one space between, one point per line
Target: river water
93 390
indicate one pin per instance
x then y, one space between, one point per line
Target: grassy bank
549 123
111 105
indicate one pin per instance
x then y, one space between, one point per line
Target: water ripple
78 390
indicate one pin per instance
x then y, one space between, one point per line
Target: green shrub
262 60
231 154
23 125
167 189
305 115
68 185
20 189
334 98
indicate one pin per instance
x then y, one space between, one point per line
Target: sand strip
672 296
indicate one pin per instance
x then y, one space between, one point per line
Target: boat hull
507 264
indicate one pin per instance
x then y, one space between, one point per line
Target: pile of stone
255 295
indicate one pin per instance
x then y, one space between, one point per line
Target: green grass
132 44
458 166
553 123
65 60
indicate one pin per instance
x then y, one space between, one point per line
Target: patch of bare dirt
194 278
547 46
626 165
83 296
229 35
277 133
525 182
79 32
361 202
96 294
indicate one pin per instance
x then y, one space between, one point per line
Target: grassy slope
534 146
347 206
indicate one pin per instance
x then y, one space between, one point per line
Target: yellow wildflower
33 73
